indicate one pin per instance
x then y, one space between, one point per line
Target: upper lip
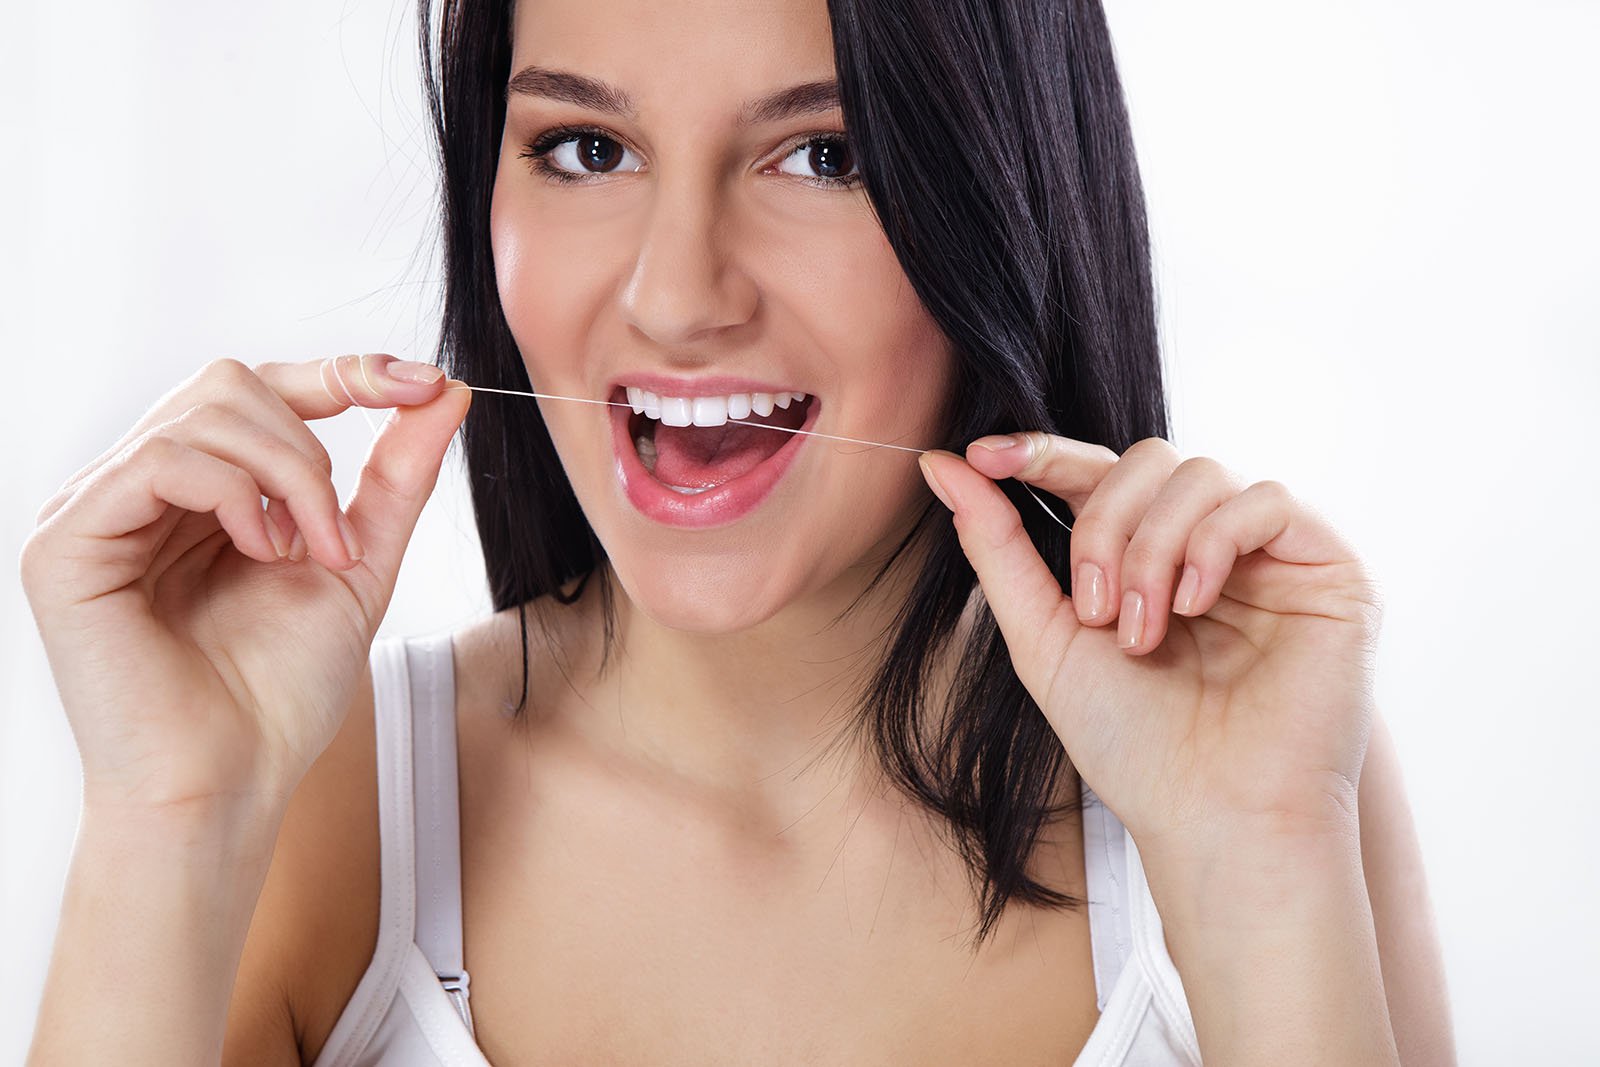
715 385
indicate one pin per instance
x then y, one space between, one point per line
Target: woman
1153 785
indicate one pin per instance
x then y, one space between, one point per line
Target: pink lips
729 501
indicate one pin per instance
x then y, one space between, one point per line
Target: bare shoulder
1402 912
315 925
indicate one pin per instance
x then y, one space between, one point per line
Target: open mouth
702 462
691 445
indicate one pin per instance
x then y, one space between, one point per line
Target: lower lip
728 502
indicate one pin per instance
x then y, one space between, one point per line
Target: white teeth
710 410
677 411
706 410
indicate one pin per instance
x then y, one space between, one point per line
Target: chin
706 596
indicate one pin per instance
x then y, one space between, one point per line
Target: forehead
678 51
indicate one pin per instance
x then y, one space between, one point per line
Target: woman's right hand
196 665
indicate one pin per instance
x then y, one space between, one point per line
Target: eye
575 154
829 159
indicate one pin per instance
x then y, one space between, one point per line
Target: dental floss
619 404
746 422
741 422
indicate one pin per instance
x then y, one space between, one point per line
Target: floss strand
613 403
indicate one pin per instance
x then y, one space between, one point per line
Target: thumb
395 482
1035 618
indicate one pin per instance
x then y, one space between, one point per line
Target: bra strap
1105 871
438 814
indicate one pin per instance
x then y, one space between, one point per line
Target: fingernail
1130 627
297 547
996 442
412 372
1183 603
1089 592
352 543
934 483
279 544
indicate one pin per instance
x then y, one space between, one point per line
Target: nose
687 281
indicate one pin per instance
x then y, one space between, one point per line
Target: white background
1375 232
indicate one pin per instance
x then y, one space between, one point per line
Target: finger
282 471
178 533
1197 487
1024 595
1105 524
321 388
396 481
1067 468
278 511
1266 516
139 488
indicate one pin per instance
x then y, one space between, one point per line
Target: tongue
698 457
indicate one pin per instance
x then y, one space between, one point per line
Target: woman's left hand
1246 710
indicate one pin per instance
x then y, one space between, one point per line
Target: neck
757 724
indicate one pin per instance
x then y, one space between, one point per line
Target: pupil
601 159
830 158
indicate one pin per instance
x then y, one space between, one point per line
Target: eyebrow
807 98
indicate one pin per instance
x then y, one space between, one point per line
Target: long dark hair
994 147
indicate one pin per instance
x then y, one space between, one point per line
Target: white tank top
411 1007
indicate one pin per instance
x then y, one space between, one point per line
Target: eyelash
536 150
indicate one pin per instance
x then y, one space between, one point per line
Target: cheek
540 295
894 363
542 304
512 244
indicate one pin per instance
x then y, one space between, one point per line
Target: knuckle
207 413
1156 445
1087 534
384 481
1096 550
28 562
320 489
1140 558
1203 539
51 506
1203 468
1007 536
226 369
320 456
150 447
241 479
310 482
1369 589
1272 489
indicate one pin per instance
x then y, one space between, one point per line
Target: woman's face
701 245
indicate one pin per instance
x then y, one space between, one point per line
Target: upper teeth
706 410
